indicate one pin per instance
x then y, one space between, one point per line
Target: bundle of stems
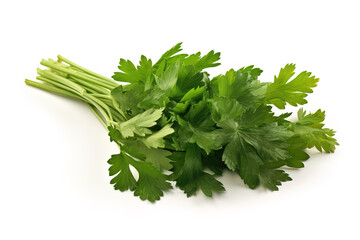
66 78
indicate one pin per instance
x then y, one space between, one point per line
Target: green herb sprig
173 122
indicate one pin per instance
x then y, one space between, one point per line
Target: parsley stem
63 90
71 86
93 110
57 84
94 102
115 110
59 79
50 88
80 83
93 87
94 80
102 104
104 96
83 76
84 69
116 116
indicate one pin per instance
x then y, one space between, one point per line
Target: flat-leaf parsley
173 122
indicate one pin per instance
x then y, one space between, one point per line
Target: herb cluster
173 122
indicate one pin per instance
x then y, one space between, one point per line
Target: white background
54 181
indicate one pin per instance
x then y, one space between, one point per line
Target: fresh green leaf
124 180
130 73
294 92
128 98
207 61
170 53
311 130
140 123
190 177
167 80
156 140
271 178
151 184
241 85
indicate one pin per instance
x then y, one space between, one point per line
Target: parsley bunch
172 122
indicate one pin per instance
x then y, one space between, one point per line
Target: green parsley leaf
156 140
271 178
207 61
128 98
168 78
311 130
168 54
159 158
241 85
283 91
124 180
151 184
133 74
140 123
189 174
